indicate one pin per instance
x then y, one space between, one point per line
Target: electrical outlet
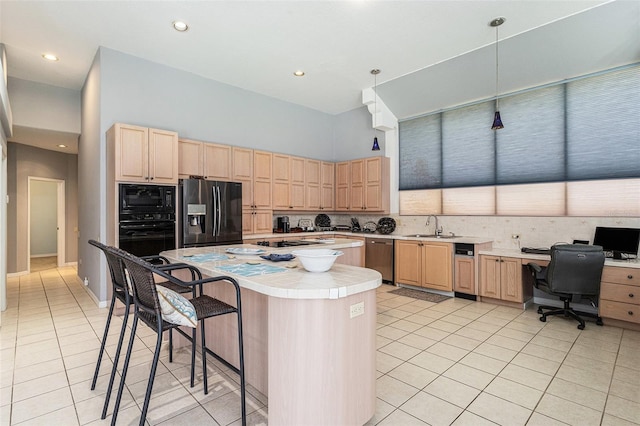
515 236
86 281
356 310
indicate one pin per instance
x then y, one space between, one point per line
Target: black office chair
574 273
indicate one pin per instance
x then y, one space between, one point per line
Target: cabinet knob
497 260
630 294
630 277
630 312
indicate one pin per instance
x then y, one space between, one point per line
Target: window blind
420 153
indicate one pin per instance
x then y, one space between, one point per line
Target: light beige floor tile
177 401
579 394
452 391
492 351
406 325
564 335
506 342
447 351
594 353
416 341
445 326
469 314
432 362
538 419
383 409
487 327
420 319
385 319
413 375
493 320
65 416
609 420
517 393
397 313
628 375
567 411
400 350
90 410
461 342
499 410
382 341
431 333
469 376
467 418
432 410
544 352
456 319
39 386
386 363
226 409
391 332
536 363
547 342
474 334
526 377
600 341
400 418
484 363
623 409
515 334
394 391
626 390
35 407
629 360
591 379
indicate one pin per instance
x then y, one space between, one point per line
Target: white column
384 120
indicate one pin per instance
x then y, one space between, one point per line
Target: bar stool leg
193 356
152 376
204 358
116 358
104 341
243 403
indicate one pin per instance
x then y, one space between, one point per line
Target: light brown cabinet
424 264
141 154
209 160
363 185
501 278
327 188
288 182
620 294
319 177
464 275
254 169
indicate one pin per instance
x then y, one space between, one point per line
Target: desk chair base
567 311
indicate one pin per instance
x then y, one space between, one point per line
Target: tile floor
456 362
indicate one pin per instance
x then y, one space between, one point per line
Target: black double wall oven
147 221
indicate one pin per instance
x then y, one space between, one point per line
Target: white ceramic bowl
317 260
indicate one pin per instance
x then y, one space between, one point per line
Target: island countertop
287 279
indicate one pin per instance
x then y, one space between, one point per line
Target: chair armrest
534 266
151 260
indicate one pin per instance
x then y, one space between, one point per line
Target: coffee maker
283 224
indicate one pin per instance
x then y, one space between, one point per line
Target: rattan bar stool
147 309
119 292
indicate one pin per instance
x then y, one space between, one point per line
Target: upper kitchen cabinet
288 182
209 160
319 176
254 170
141 154
363 185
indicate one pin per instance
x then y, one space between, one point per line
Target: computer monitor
617 241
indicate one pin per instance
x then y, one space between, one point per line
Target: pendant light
375 73
497 121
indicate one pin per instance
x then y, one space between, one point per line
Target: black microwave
146 199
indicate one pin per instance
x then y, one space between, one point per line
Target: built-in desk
502 281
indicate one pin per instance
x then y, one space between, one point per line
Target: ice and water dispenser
196 215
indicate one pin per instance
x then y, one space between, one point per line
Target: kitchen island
309 337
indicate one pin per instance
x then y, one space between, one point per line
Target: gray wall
353 136
44 218
25 161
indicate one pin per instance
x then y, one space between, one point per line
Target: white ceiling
430 52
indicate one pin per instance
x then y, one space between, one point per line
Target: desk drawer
620 311
614 274
620 293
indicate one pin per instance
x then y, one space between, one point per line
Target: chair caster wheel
543 319
599 322
580 327
540 310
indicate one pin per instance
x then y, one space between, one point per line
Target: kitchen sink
430 236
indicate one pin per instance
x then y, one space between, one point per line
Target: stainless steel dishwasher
379 256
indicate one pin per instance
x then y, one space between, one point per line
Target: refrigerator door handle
219 210
214 200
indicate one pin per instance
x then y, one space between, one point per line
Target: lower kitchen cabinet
424 264
465 276
501 278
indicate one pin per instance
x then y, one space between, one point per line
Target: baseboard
17 274
44 255
71 264
93 296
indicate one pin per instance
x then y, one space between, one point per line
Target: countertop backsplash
533 231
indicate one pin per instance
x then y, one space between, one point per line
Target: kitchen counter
632 263
309 338
312 235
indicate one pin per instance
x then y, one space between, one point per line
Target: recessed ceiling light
62 145
50 57
298 73
180 26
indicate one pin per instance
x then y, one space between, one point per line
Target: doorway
46 223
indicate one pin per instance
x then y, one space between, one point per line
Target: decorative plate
242 250
278 257
323 220
370 227
386 225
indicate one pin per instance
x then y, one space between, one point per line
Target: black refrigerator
210 212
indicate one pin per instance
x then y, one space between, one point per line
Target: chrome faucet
438 230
